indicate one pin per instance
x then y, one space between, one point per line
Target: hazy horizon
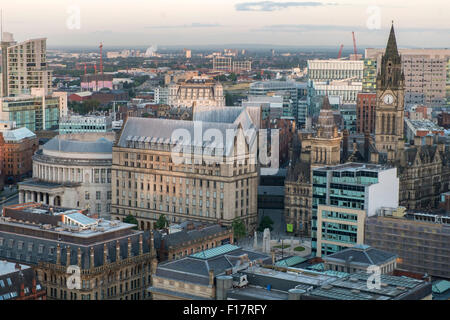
199 23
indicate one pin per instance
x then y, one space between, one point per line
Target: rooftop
362 255
9 267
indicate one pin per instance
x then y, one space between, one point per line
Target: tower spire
391 48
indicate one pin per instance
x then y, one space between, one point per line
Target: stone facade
148 181
73 171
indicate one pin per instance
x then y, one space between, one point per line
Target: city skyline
169 23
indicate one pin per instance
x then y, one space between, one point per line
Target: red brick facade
365 112
15 158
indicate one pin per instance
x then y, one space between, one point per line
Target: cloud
192 25
308 27
272 6
339 28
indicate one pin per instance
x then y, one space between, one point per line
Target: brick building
365 112
18 282
17 146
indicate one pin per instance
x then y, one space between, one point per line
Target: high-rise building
426 74
343 197
369 76
27 96
24 66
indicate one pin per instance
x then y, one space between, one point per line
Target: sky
188 23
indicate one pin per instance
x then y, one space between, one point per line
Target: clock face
388 99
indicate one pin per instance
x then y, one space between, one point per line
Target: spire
326 103
391 48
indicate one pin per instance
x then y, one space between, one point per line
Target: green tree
266 222
162 222
131 220
229 99
239 229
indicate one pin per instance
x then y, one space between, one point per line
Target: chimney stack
211 277
68 256
152 241
118 251
33 290
417 141
129 248
105 254
18 267
429 140
58 254
79 257
92 258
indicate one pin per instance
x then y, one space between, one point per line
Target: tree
131 220
162 222
239 229
266 222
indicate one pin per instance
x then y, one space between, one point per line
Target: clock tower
390 109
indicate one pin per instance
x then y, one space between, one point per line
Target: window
86 195
98 195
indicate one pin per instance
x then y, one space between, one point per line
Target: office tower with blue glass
343 196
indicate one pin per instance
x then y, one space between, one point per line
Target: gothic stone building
114 261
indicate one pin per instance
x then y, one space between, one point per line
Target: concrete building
425 73
151 178
221 63
84 124
18 282
17 146
198 91
74 171
343 197
331 70
113 260
241 66
420 240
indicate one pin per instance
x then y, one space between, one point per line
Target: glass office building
343 196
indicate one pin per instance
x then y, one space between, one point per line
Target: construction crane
340 51
101 58
354 47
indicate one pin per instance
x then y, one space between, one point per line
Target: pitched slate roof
196 270
361 254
